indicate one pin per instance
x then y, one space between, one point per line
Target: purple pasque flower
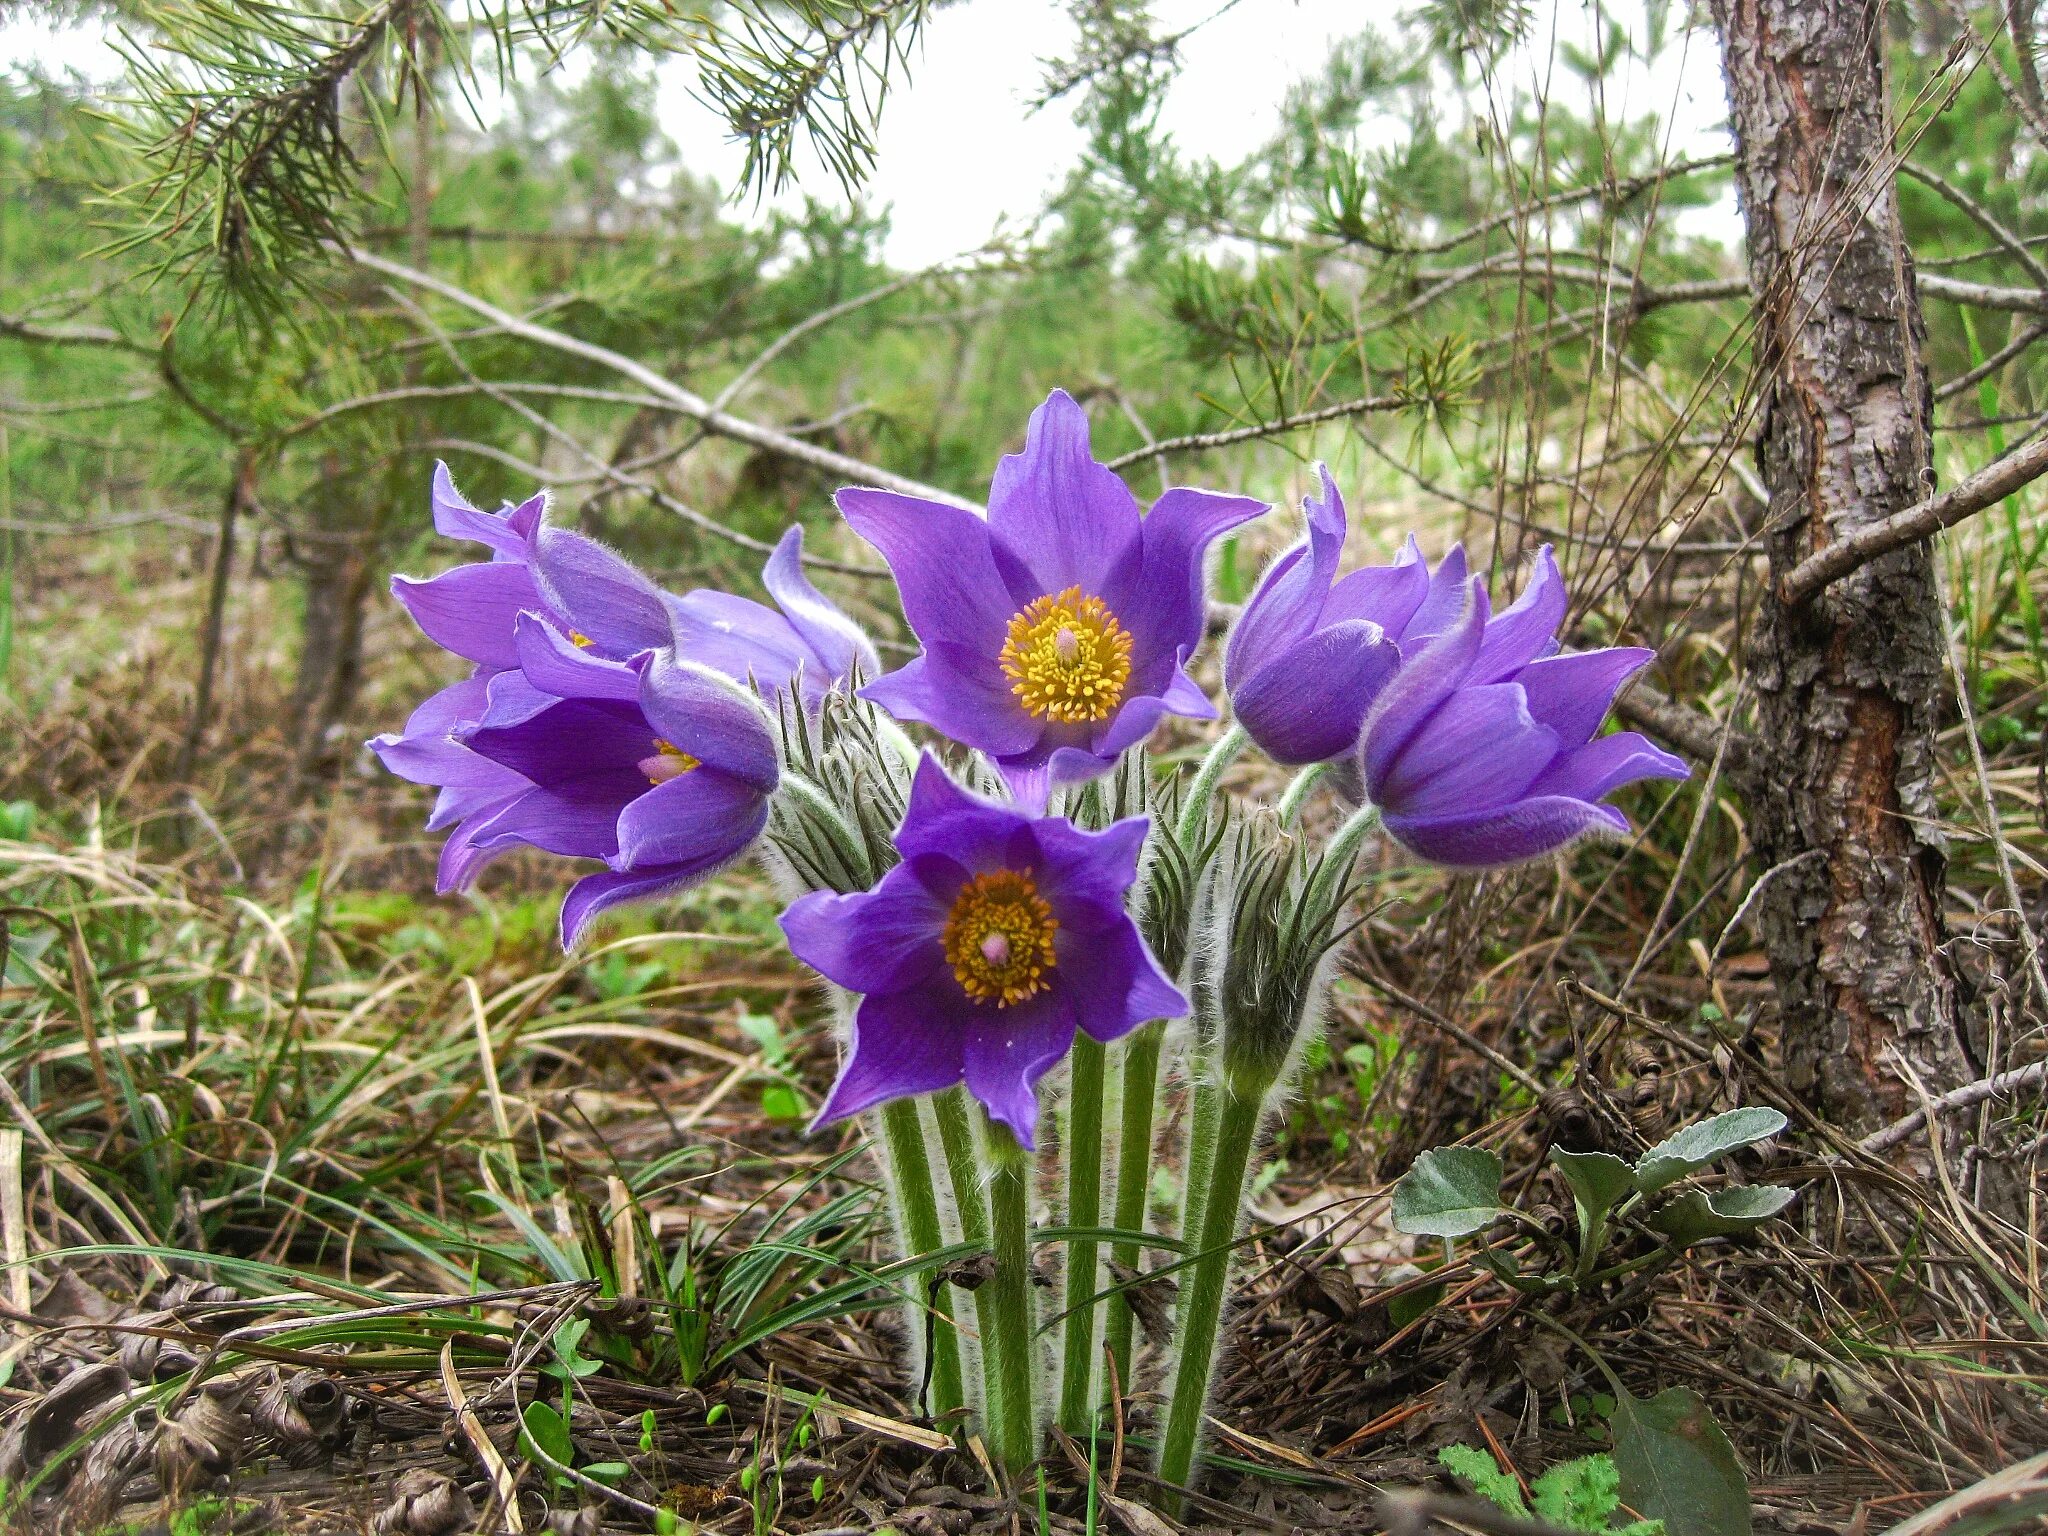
1482 751
657 766
804 636
1313 650
980 954
583 589
1056 630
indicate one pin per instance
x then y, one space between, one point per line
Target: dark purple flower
981 953
1479 755
659 767
804 635
1313 650
1055 632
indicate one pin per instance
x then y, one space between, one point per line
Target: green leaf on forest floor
1698 1145
1597 1180
1449 1192
1699 1214
1677 1466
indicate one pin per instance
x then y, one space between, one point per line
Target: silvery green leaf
1597 1180
1700 1144
1699 1214
1450 1192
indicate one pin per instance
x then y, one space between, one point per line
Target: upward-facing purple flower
1478 755
1055 632
1313 650
804 635
981 953
659 767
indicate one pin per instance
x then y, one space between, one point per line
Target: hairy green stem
1194 809
1298 790
1204 1108
1084 1209
909 1167
1133 1177
1010 1333
970 1201
1207 1284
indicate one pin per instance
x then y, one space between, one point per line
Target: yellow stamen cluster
579 639
1067 658
669 762
998 938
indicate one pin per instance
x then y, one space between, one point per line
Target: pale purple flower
804 635
1482 750
1056 630
980 954
659 767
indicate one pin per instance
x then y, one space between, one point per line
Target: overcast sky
961 152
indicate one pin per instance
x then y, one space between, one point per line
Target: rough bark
1849 684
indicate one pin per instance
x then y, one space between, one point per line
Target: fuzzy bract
1055 632
982 952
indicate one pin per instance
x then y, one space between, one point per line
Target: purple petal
1520 633
470 610
555 664
1443 602
959 694
1114 984
1571 694
1160 598
1085 876
599 893
1308 704
461 859
1480 749
1603 765
839 643
424 752
1419 688
746 640
944 568
1008 1050
709 716
455 517
701 820
904 1043
1061 518
943 818
599 594
1389 595
1525 830
884 940
512 699
1288 601
569 740
578 819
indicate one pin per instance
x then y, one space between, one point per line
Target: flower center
998 938
1067 658
669 762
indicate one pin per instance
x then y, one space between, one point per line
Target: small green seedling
1582 1495
1454 1192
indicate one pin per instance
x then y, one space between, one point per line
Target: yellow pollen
998 938
579 639
668 762
1067 658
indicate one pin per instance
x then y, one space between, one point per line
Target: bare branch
714 421
1989 486
1198 441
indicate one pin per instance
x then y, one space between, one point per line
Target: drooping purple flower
1313 650
657 766
1476 762
1055 632
805 634
981 953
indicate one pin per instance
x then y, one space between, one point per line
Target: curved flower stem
1298 790
1202 787
1208 1283
1009 1331
1084 1160
917 1208
1133 1176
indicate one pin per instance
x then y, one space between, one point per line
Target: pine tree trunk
1849 685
